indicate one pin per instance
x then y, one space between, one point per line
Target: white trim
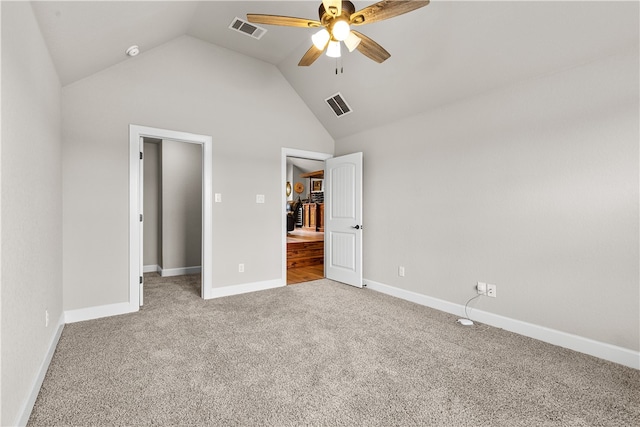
90 313
421 299
135 133
27 407
226 291
151 268
169 272
303 154
612 353
134 220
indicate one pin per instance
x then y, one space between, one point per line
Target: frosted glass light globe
333 50
352 41
341 30
320 39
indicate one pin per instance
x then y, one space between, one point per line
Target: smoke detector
133 50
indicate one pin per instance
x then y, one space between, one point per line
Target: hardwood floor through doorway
305 274
305 256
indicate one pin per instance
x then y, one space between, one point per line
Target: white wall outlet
46 318
218 197
401 271
482 288
240 268
492 290
259 198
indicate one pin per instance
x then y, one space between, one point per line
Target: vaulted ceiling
442 53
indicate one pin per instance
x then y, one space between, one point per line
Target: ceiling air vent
338 105
244 27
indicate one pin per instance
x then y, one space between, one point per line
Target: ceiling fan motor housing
347 10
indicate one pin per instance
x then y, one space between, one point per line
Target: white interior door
343 219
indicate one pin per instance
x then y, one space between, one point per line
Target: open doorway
172 209
303 212
342 217
305 220
136 204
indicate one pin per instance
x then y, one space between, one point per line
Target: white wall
31 206
181 204
191 86
152 251
533 188
296 178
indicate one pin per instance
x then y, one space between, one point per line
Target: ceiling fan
336 19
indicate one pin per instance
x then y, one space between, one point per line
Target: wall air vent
338 105
244 27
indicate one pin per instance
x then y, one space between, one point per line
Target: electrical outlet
240 268
401 271
492 290
482 288
46 318
259 198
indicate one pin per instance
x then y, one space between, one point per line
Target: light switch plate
259 198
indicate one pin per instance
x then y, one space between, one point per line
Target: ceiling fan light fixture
340 30
336 17
320 39
352 41
333 50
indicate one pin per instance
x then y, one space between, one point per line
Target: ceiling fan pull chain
341 68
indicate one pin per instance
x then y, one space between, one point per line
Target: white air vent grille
338 104
242 26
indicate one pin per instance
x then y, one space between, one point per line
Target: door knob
357 227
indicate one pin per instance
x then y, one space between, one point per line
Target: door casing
136 133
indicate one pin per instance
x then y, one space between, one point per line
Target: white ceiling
440 54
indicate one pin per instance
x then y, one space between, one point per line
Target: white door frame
292 152
136 133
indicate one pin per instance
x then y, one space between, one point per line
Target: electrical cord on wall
467 314
467 304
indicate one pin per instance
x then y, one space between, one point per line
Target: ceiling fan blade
287 21
312 54
333 7
385 9
371 49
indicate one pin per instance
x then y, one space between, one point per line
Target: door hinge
140 217
141 155
141 280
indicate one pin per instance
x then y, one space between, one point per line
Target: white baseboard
155 268
168 272
226 291
89 313
27 407
612 353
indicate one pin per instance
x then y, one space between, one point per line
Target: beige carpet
319 353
